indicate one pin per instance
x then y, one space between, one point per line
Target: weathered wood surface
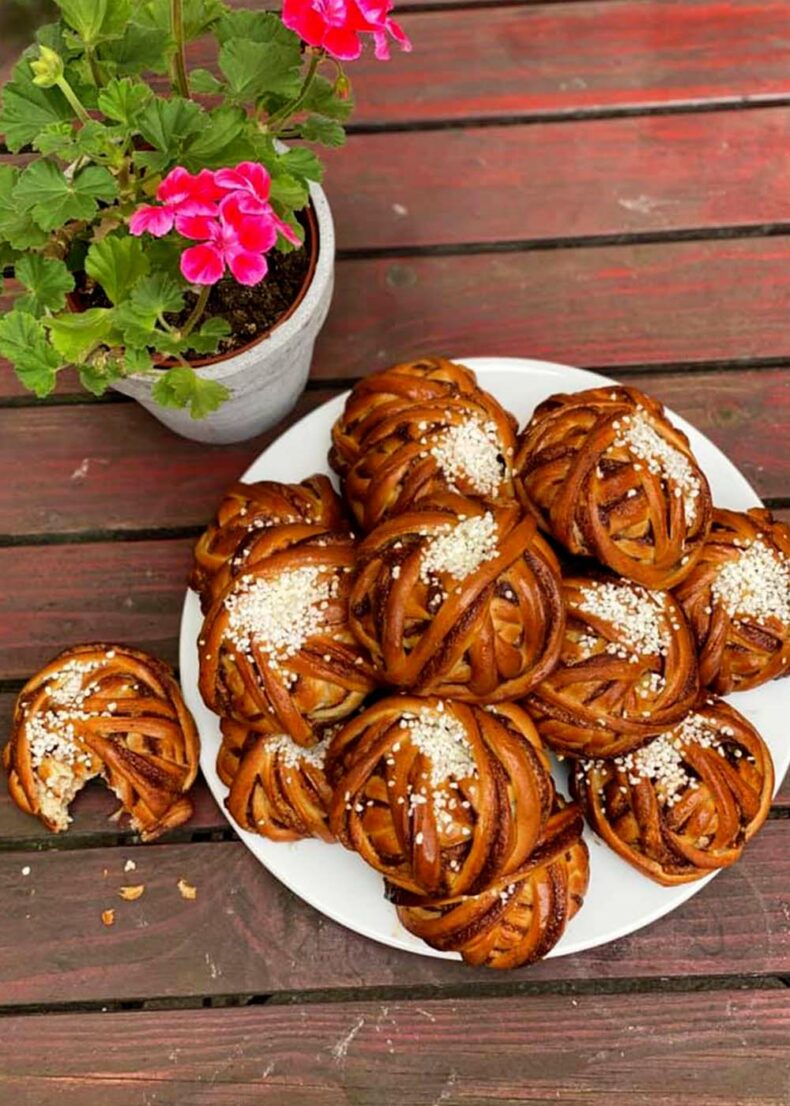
666 1050
650 174
83 470
558 59
604 306
117 592
246 934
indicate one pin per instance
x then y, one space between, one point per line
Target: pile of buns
391 668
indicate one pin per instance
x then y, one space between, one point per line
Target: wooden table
600 183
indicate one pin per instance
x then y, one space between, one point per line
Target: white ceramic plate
337 882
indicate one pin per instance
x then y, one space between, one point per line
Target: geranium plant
145 184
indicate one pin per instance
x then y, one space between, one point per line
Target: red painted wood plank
598 306
666 1050
112 591
114 469
88 470
246 934
556 59
645 174
602 306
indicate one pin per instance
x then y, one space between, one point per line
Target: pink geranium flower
180 193
250 184
336 25
235 238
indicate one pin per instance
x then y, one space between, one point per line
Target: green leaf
94 20
253 69
58 139
47 281
203 81
139 49
326 131
27 109
23 341
96 378
52 199
288 192
76 335
123 99
137 361
252 26
117 264
158 295
220 142
302 163
199 16
207 339
16 226
166 124
323 100
182 387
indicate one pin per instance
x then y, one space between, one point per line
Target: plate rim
682 893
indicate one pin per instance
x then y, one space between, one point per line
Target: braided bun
276 651
627 670
259 519
439 796
417 429
737 601
459 600
521 916
278 788
687 802
610 477
109 711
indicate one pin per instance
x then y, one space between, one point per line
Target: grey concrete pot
266 379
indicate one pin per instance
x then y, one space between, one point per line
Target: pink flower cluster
227 211
335 25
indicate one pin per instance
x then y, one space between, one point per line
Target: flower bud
47 68
342 87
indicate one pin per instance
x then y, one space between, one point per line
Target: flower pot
266 378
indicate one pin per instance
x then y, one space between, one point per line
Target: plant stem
197 311
74 101
180 61
282 116
93 65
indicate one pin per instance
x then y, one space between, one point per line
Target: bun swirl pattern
737 601
610 477
417 429
520 917
459 600
627 670
439 796
279 789
109 711
261 518
276 651
686 803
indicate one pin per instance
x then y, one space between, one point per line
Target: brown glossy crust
383 806
598 500
331 676
735 654
254 520
381 443
139 736
494 635
596 703
520 917
268 794
712 821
